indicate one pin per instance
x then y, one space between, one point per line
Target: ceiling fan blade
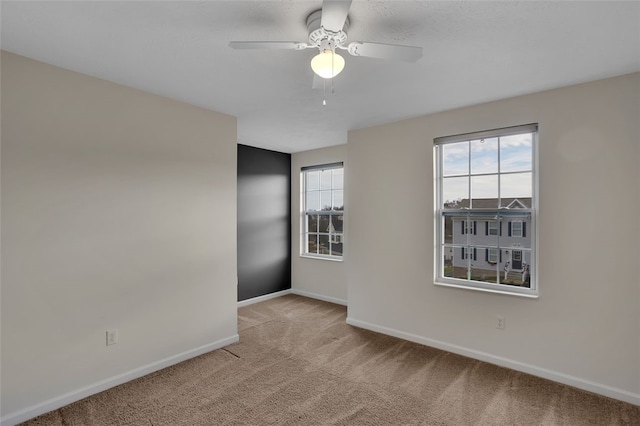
385 51
292 45
334 14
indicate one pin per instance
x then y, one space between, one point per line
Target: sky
324 189
491 167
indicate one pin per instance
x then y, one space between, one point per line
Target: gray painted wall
118 212
264 222
584 329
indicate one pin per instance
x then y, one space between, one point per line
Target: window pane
313 180
312 243
483 265
313 200
459 265
325 179
337 223
516 153
487 231
526 273
484 191
455 158
516 232
517 185
325 200
338 178
447 253
484 156
324 223
454 190
448 229
461 229
338 204
312 223
323 244
336 245
516 268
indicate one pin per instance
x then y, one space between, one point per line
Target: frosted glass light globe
327 64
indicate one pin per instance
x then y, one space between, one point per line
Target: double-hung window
486 210
323 211
492 227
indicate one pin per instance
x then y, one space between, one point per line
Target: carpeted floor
299 363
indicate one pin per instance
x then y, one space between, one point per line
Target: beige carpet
298 363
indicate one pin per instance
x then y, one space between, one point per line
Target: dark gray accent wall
264 222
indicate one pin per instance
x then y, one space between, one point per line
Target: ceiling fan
327 32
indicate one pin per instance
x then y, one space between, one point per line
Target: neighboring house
335 230
330 238
488 245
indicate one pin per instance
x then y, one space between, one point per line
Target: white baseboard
611 392
12 419
263 298
319 297
292 291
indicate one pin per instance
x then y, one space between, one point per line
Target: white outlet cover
112 337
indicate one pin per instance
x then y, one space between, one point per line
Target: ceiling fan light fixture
327 64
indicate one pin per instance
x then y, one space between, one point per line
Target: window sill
528 295
320 257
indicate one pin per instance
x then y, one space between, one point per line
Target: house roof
492 203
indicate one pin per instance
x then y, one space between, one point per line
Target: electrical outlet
500 322
112 337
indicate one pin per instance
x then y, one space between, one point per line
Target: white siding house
488 245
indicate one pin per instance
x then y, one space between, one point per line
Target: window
492 228
468 227
492 255
323 211
516 228
468 253
486 210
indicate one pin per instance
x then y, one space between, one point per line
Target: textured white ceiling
474 51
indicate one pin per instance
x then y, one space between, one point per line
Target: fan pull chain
324 92
333 68
324 84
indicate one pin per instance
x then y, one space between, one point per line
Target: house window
468 227
492 255
492 228
517 228
469 253
487 180
323 211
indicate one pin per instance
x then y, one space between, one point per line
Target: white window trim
439 279
321 257
303 216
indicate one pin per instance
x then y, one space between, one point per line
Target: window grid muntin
441 273
319 234
466 248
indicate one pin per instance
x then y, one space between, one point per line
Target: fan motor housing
317 34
